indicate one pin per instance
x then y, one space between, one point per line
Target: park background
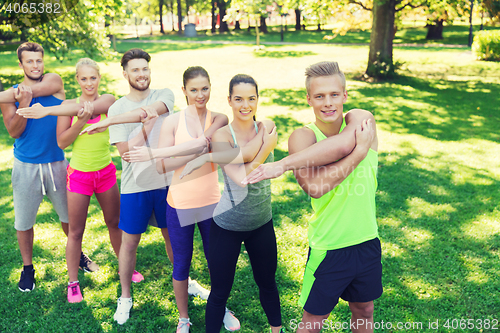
437 113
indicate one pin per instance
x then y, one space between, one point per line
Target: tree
380 57
251 9
179 16
160 11
223 27
80 27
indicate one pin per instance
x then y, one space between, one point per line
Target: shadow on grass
294 99
438 109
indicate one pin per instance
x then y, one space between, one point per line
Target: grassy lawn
438 196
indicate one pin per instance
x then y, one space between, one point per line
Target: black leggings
223 253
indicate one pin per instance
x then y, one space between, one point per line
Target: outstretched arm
226 154
67 134
50 84
142 114
322 153
317 181
70 108
238 171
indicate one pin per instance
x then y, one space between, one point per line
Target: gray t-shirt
142 176
244 208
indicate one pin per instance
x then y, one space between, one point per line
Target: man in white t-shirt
135 120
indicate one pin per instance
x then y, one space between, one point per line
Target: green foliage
81 27
486 45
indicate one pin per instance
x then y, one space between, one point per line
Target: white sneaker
123 310
183 325
195 289
231 323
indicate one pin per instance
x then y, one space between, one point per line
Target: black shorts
353 273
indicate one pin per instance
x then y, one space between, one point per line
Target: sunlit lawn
438 196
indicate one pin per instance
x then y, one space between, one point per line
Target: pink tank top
201 187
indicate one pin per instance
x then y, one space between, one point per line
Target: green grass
437 198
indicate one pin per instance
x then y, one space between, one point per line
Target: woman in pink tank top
190 200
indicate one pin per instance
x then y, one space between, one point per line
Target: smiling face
197 91
327 97
244 100
32 64
138 74
88 78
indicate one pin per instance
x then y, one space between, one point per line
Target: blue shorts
137 210
353 273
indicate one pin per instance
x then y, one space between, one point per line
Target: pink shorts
89 182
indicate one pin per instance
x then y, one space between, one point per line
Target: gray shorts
30 182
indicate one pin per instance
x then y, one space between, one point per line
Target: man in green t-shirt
335 161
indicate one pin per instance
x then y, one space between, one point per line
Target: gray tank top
244 208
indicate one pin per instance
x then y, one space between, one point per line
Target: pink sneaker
137 277
74 293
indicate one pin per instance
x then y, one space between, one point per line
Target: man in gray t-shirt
135 120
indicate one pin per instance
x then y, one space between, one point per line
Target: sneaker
74 293
87 265
231 323
282 330
123 310
27 281
183 325
195 289
137 277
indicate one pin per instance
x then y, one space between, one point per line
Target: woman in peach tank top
190 200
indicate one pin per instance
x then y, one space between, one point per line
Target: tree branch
359 3
410 5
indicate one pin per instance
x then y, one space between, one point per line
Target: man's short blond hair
324 68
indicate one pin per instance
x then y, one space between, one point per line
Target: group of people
169 180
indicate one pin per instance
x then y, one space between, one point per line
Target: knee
112 222
129 243
362 310
76 235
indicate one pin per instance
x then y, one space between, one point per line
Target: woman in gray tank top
244 212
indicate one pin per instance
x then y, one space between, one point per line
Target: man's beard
137 87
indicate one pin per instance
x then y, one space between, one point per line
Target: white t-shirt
142 176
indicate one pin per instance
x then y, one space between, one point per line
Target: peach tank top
201 187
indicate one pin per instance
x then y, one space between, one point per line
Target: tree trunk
380 63
435 31
319 26
161 17
257 34
171 10
298 24
222 12
263 25
187 10
1 85
471 34
179 16
214 18
237 25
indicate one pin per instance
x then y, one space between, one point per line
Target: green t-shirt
90 152
345 216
